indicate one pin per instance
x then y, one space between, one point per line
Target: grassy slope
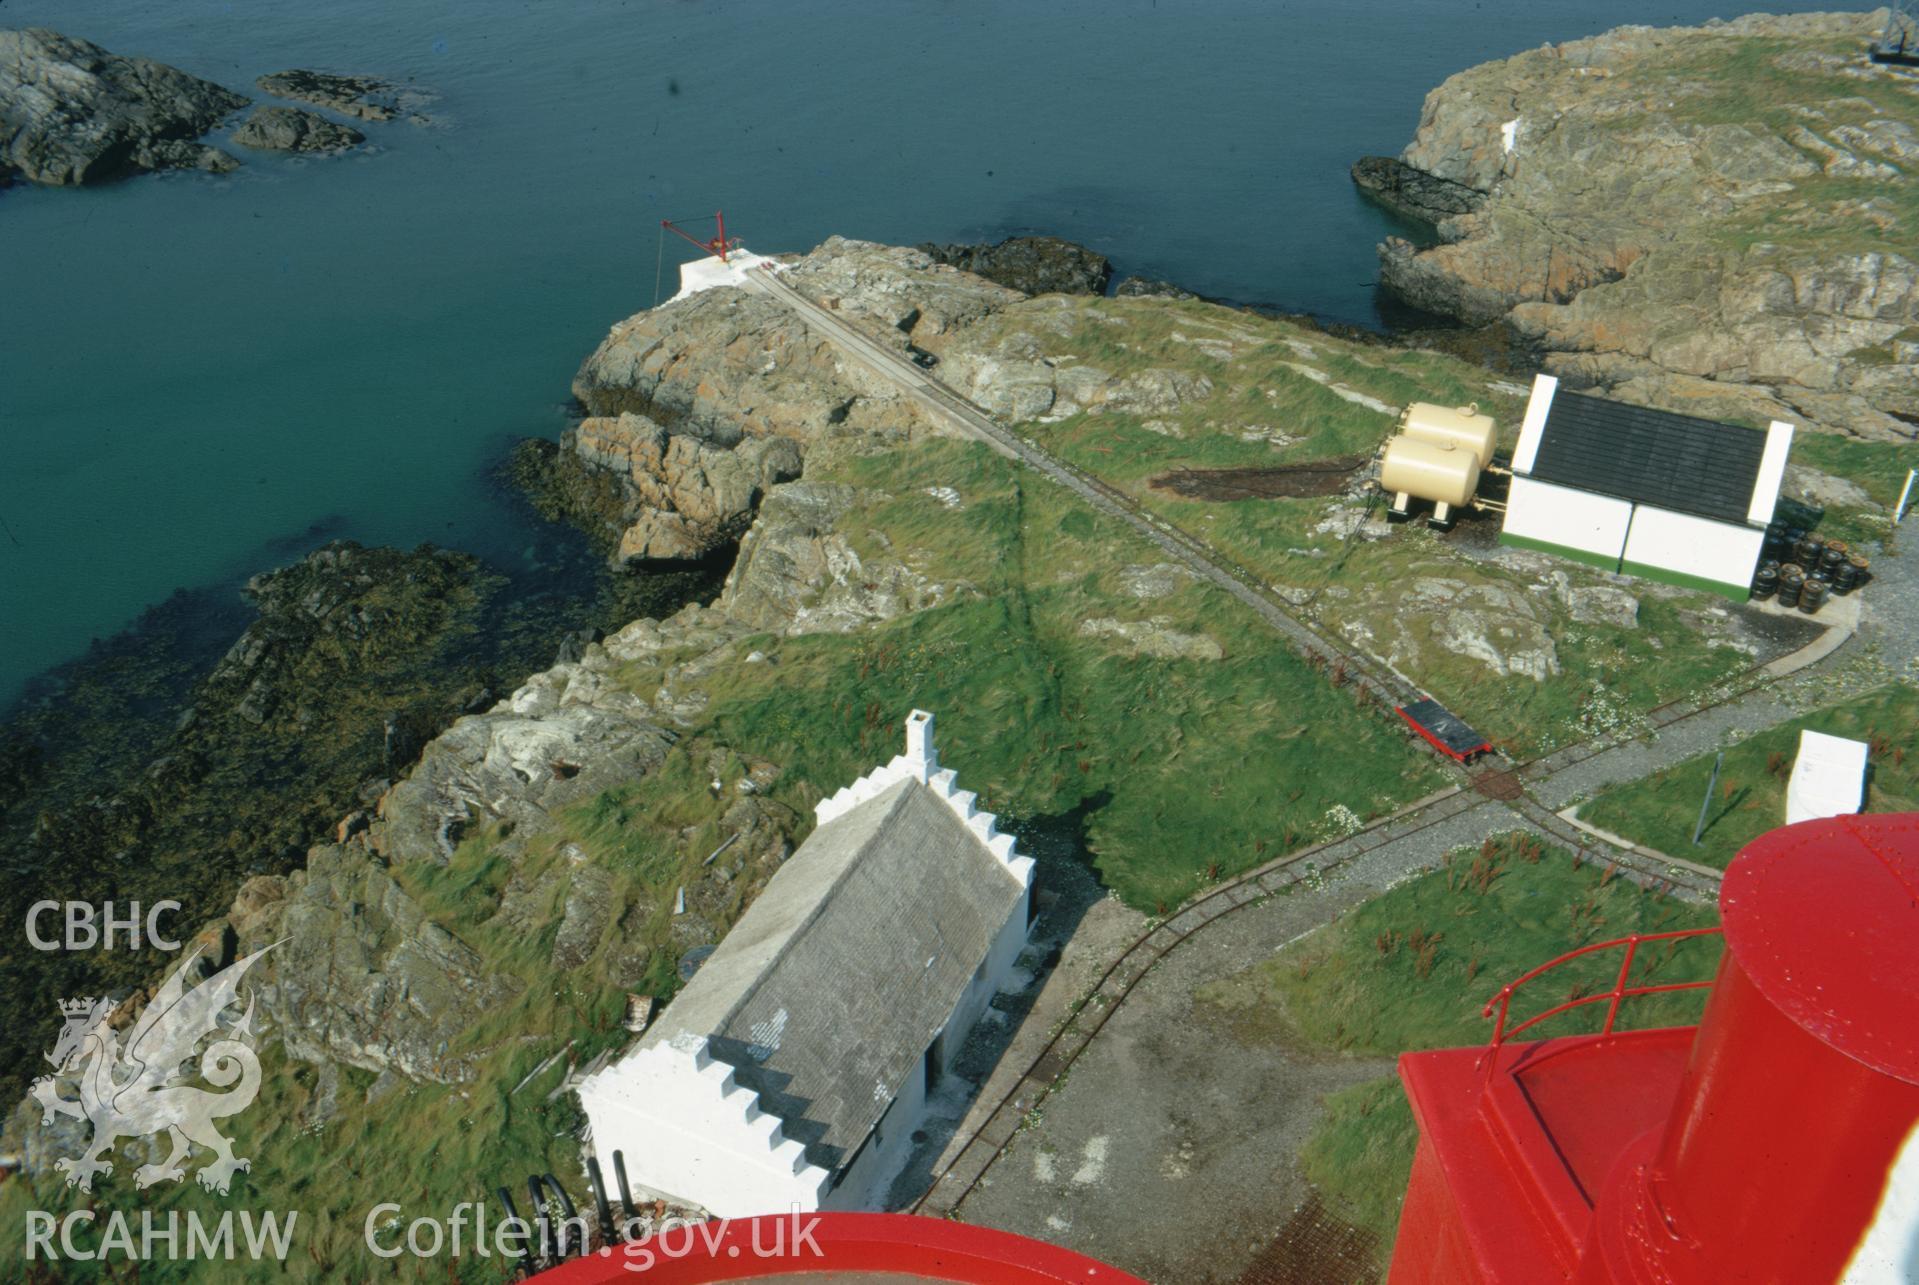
1196 768
1411 970
1759 83
1607 673
1661 810
1188 770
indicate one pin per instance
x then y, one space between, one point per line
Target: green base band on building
1587 556
1736 592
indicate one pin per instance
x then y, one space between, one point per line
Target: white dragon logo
142 1089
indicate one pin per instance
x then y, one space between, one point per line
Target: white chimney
919 744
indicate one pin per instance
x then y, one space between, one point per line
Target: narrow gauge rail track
962 1174
988 1141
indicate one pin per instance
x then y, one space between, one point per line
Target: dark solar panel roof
1655 457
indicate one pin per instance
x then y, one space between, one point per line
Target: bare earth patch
1283 481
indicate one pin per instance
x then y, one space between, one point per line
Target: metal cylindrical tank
1461 426
1792 1149
1443 473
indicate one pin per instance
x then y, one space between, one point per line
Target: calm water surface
203 377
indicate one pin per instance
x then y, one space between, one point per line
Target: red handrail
1620 990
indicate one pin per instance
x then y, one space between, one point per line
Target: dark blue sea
202 377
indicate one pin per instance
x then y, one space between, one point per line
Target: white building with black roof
794 1067
1646 492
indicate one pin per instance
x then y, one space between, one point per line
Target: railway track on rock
954 1181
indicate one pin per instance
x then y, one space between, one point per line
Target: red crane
719 245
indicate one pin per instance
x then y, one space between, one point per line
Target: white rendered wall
1772 472
689 1131
864 1186
1559 515
1693 546
1533 426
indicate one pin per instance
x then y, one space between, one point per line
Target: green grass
430 1146
1661 810
1608 674
1360 1158
1877 468
1412 969
1184 771
1199 768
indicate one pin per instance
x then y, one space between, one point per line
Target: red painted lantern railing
1620 991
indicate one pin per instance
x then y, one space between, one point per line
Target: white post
1905 493
919 743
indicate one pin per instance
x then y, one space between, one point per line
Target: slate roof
1656 457
827 992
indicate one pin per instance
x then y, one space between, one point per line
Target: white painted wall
1772 471
1533 426
1828 777
690 1131
1694 546
1560 515
886 1149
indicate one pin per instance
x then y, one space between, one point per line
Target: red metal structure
1777 1141
1444 730
883 1249
719 245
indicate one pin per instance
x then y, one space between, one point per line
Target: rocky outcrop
683 496
1710 218
697 408
1155 637
797 575
361 975
563 736
1147 288
1031 264
1413 193
366 97
72 113
288 129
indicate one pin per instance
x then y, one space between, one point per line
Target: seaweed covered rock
156 773
288 129
366 97
1031 264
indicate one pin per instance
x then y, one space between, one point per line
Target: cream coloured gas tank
1444 473
1462 426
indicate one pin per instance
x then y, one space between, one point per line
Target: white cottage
1648 492
794 1067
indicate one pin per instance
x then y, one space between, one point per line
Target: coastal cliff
1717 219
465 936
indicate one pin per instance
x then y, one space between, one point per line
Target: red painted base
883 1247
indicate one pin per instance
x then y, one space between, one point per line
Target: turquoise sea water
203 377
